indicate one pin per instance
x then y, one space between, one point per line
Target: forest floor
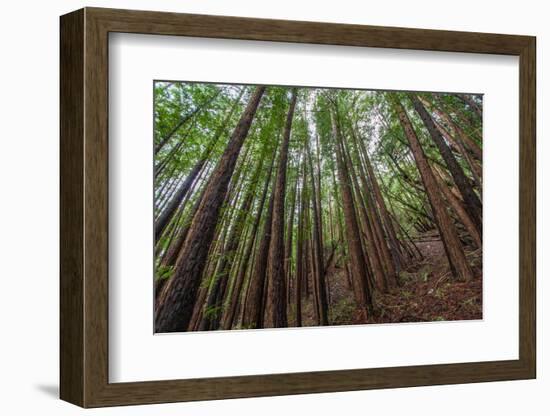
426 292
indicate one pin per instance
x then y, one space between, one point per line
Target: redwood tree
174 312
455 254
276 267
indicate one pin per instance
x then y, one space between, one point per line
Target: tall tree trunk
471 201
174 313
359 275
396 254
172 253
319 262
306 287
388 260
457 259
196 317
319 189
218 258
470 144
277 290
237 229
236 292
311 255
373 246
217 249
289 234
459 209
475 169
162 190
300 257
253 308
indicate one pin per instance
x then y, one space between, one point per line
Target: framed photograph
257 207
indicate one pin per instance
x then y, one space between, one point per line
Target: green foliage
164 272
212 311
342 313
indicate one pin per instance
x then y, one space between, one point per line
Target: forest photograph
288 206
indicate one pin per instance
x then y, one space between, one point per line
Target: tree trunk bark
396 253
253 308
236 292
471 201
470 144
289 233
174 313
455 254
222 276
359 275
475 169
373 246
276 273
319 262
460 210
173 251
300 258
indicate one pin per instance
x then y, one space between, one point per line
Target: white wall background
29 221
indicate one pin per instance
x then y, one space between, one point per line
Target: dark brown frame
84 209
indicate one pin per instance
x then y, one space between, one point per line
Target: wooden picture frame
84 207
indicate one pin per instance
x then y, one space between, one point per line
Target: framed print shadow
255 207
